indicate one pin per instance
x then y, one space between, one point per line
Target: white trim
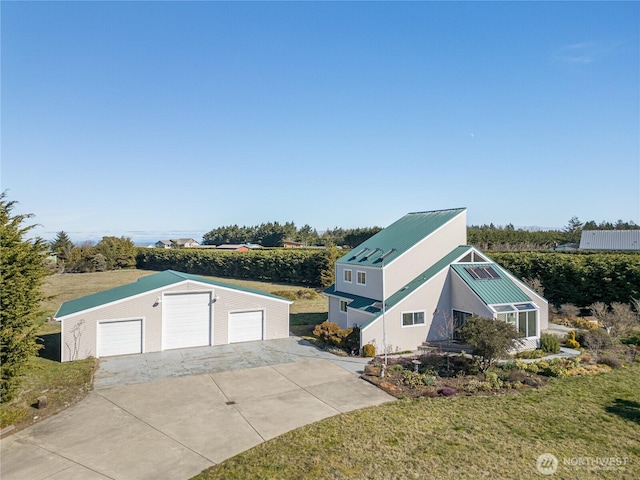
346 306
413 312
344 274
171 286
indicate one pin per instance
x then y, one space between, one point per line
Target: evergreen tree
22 273
62 246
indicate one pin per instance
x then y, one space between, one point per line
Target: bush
633 339
331 333
530 354
446 391
570 343
368 350
571 340
612 362
549 343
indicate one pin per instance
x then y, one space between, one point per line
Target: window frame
346 304
413 314
364 277
350 275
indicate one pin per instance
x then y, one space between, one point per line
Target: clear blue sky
150 119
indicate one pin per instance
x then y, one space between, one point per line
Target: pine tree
22 273
62 246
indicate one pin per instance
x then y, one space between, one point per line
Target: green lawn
577 419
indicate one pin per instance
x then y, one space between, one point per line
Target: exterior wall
357 317
335 315
276 314
425 253
79 331
372 288
431 298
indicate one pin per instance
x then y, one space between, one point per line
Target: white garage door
119 337
186 320
245 326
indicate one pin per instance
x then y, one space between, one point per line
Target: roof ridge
440 210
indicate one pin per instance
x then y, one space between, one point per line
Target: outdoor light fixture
158 301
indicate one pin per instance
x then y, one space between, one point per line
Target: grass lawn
580 420
66 383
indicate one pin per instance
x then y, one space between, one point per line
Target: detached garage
168 310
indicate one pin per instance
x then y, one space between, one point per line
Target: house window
459 320
524 317
343 306
347 276
362 278
412 318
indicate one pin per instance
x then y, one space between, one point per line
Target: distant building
610 240
292 244
241 247
177 243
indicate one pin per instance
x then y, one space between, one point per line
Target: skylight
482 273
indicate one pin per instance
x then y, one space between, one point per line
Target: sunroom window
524 316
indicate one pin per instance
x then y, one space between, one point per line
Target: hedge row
578 278
297 266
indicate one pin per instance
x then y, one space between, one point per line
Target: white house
428 278
168 310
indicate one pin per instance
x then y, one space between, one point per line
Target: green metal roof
491 291
143 285
397 238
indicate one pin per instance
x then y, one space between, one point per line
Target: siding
79 330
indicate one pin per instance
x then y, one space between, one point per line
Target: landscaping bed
445 375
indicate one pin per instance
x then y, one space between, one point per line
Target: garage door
119 337
245 326
186 320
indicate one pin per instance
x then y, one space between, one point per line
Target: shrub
331 333
549 343
633 339
446 391
612 362
368 350
530 354
493 380
490 339
570 343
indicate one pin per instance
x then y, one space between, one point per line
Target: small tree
490 339
62 246
22 273
618 320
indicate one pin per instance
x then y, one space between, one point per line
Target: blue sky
149 119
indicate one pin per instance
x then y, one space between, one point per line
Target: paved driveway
171 419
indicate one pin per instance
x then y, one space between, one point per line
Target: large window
362 278
347 276
459 320
524 316
412 318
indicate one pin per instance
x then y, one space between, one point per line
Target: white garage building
165 311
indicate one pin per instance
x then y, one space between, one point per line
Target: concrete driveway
168 419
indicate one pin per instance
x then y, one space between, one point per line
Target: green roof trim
491 291
391 242
144 285
421 279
